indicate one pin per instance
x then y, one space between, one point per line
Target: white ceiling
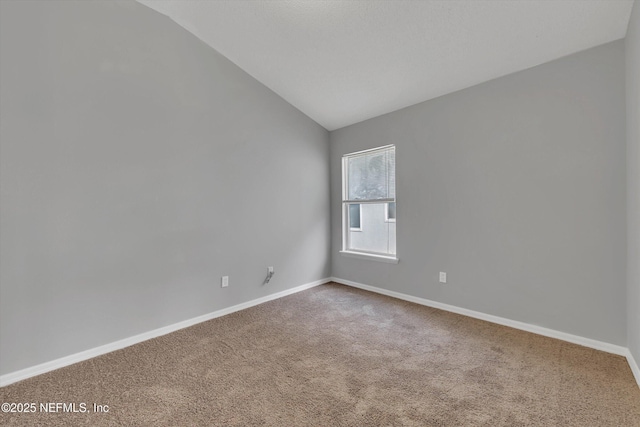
341 62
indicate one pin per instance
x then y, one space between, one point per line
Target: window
369 204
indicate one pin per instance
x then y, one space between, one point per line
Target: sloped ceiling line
341 62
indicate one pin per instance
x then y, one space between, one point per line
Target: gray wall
632 44
138 166
515 188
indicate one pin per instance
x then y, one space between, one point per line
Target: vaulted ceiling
341 62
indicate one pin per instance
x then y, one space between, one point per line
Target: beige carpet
337 356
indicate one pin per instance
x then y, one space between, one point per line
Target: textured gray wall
138 166
515 188
632 44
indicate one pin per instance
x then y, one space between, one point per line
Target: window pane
354 216
377 235
391 211
370 176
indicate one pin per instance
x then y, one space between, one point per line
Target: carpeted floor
337 356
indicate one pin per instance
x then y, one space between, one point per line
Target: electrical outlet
443 277
225 282
269 274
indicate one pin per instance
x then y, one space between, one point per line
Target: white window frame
374 256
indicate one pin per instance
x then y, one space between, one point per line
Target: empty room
320 213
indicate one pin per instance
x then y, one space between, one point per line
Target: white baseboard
117 345
575 339
634 366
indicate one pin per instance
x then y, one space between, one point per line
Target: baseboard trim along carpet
575 339
126 342
634 366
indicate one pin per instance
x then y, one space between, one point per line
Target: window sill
371 257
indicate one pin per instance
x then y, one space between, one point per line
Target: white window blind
371 175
